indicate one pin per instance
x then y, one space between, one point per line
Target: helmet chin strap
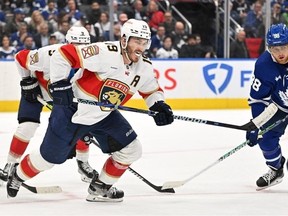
126 52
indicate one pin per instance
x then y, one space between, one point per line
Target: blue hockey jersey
270 84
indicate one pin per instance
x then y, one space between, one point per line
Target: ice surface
174 152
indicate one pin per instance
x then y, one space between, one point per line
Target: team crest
34 58
89 51
113 92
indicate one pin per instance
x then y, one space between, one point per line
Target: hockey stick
152 113
37 190
44 103
42 190
174 184
157 188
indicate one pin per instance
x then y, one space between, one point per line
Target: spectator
179 36
167 51
53 39
38 5
63 28
81 22
122 18
116 11
61 5
102 28
284 15
41 39
18 37
7 51
50 14
207 49
155 16
117 32
136 11
157 40
73 13
168 22
238 48
239 11
12 26
254 21
35 21
94 12
64 17
28 43
89 28
191 49
6 6
276 14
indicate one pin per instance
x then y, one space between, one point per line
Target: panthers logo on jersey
113 92
34 58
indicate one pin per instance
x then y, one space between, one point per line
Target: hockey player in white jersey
34 69
112 73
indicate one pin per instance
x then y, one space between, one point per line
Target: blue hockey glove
61 92
253 137
30 89
164 115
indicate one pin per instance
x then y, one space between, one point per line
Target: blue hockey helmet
277 35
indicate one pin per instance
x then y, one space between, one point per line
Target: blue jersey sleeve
263 83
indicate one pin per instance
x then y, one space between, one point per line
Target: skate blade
86 179
95 198
273 184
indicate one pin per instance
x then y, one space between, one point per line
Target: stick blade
172 184
49 189
43 190
167 190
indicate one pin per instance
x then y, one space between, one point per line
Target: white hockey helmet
78 35
136 28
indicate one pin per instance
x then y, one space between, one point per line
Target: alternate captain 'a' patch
113 92
34 58
89 51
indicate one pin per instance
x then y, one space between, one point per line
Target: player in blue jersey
270 89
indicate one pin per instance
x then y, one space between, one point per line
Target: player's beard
132 55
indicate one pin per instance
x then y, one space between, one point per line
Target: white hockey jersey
36 63
105 78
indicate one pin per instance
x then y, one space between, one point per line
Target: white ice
174 152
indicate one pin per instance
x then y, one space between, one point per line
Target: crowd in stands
34 24
250 15
28 24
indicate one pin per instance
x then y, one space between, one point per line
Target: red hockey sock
82 146
18 147
27 167
114 169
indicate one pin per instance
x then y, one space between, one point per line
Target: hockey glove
253 137
250 126
164 115
30 89
61 92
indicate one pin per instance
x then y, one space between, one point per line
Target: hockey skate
86 171
271 178
14 183
4 173
100 192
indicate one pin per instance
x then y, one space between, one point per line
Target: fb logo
224 71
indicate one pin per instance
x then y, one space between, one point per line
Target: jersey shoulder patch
89 51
